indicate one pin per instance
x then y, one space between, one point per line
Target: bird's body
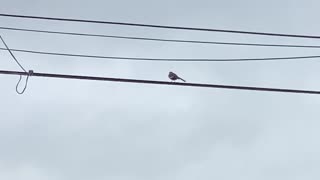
174 77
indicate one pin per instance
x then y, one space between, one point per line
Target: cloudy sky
79 130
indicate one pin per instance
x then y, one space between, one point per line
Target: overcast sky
79 130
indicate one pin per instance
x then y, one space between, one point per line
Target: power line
161 26
65 76
20 77
12 55
159 39
166 59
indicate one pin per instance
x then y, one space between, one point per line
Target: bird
174 77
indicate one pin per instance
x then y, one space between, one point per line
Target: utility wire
20 77
158 39
12 55
166 59
65 76
161 26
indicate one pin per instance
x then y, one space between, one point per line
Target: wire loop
20 78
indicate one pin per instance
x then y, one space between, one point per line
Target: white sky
78 130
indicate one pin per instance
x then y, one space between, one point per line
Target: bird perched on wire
174 77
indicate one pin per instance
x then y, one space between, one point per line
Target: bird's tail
182 79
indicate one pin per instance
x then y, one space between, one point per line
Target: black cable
20 78
25 86
8 49
160 39
166 59
65 76
160 26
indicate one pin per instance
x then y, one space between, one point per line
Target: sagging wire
20 78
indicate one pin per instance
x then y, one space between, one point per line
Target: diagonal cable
20 77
